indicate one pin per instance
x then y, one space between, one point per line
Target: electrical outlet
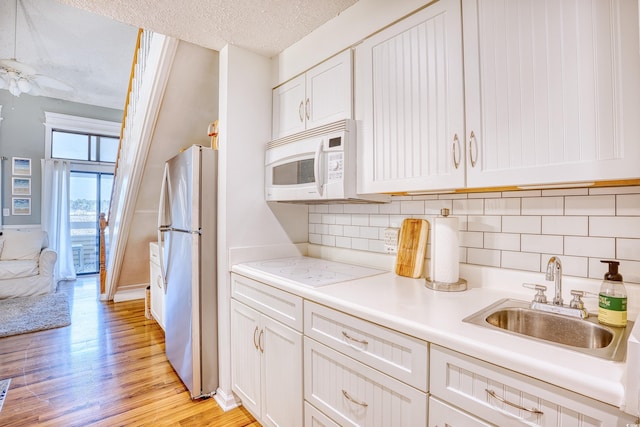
5 211
391 240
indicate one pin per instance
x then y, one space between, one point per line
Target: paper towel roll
445 255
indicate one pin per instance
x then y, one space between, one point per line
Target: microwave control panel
335 165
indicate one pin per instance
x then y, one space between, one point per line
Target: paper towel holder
460 285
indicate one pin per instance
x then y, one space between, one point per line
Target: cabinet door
245 356
354 394
409 94
281 375
289 108
157 293
329 91
551 91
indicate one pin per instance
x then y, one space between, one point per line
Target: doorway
89 195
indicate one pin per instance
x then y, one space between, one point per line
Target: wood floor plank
108 368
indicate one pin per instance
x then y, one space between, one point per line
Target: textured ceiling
88 44
262 26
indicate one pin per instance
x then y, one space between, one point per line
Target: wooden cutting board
412 247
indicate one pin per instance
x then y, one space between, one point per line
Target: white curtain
55 214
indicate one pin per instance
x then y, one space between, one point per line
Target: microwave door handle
317 169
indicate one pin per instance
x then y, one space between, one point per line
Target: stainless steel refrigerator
187 238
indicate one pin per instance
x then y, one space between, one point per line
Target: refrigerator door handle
162 225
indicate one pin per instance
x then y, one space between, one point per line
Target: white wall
244 218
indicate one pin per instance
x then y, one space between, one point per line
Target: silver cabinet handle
308 109
260 341
350 338
255 343
357 402
473 142
456 149
300 111
515 405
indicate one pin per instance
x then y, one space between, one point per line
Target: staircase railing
152 61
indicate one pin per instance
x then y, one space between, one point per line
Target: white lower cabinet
156 284
502 397
361 374
353 394
266 357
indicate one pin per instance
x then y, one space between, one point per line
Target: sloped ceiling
88 44
88 52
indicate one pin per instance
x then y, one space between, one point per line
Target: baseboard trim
226 401
130 292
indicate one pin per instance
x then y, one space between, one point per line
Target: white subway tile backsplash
369 232
484 223
521 224
412 207
503 241
434 207
619 226
520 261
514 229
343 219
392 208
542 206
590 246
486 257
360 219
328 240
360 244
343 242
470 239
590 205
541 243
328 219
379 220
502 206
628 205
468 207
628 249
565 225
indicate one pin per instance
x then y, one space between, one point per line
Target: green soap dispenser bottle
612 301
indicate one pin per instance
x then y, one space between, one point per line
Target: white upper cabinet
322 95
409 96
552 93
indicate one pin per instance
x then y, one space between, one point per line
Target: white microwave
315 165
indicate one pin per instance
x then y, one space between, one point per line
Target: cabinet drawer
153 253
279 305
315 418
353 394
443 415
481 389
398 355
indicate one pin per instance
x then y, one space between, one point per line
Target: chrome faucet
554 272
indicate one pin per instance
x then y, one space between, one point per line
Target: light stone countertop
406 305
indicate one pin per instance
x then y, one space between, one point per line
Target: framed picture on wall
21 166
20 186
21 205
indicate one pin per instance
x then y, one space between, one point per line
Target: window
81 146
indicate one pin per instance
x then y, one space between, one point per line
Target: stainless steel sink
583 335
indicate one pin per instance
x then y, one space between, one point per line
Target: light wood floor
107 368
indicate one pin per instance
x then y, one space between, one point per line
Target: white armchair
26 264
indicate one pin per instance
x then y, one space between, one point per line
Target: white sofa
26 264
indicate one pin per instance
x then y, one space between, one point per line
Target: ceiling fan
19 78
